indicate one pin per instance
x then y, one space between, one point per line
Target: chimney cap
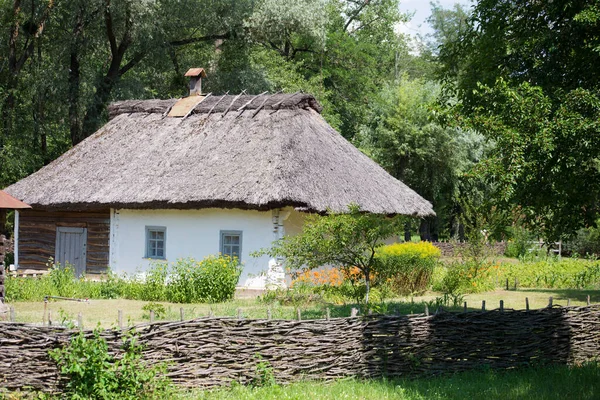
196 72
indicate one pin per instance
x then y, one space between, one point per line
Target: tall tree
525 74
403 136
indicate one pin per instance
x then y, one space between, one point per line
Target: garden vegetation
212 279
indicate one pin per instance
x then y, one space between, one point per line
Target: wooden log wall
210 352
452 249
37 237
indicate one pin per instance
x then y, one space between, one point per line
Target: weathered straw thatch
257 152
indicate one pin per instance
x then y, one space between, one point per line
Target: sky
422 10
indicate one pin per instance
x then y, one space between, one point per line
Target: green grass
105 312
553 382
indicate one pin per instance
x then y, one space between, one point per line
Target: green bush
407 267
27 289
91 372
63 280
586 242
519 244
154 286
212 280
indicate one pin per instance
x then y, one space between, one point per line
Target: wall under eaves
196 234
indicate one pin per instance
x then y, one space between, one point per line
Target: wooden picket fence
213 351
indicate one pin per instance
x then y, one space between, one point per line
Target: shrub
27 289
63 280
325 276
520 243
154 287
299 295
212 279
408 267
586 242
159 310
91 372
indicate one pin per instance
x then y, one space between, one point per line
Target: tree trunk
367 286
424 230
407 232
74 81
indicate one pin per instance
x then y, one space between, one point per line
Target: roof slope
257 152
9 202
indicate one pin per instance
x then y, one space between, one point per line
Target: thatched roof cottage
165 179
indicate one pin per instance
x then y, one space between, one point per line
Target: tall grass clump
554 273
408 267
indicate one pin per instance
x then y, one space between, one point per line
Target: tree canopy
499 105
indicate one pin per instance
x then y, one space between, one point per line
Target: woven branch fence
210 352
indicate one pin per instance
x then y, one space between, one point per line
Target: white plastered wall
191 233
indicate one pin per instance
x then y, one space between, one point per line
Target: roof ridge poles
193 108
243 108
280 102
233 101
263 103
217 103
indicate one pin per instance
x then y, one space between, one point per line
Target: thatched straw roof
230 151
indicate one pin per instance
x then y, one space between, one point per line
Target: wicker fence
453 248
209 352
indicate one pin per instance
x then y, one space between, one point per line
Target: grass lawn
105 312
552 382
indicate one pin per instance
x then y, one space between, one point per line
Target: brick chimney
196 75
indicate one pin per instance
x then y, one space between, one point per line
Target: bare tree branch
356 13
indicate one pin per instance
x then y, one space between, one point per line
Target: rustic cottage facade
165 179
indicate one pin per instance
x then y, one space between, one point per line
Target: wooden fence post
568 302
80 321
239 313
501 305
327 314
299 315
506 283
426 310
516 283
353 312
2 274
465 307
482 305
120 318
588 299
45 311
527 303
269 315
49 318
12 314
151 316
181 314
550 302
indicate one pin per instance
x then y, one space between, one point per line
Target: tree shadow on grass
387 308
549 382
573 294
